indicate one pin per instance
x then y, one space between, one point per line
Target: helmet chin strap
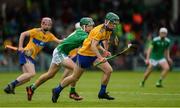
106 26
107 23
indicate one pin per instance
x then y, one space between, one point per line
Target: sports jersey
158 47
98 33
74 40
38 40
73 52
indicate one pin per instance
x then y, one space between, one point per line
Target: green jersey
74 40
158 47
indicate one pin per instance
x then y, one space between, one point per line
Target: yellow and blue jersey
73 52
98 33
38 40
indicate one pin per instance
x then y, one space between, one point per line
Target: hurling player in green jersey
158 54
89 54
60 56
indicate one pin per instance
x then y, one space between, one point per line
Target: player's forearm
95 49
58 41
21 39
102 49
106 46
148 53
167 55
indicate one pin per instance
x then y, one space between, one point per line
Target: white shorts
156 62
58 57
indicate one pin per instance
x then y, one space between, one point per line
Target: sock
14 83
103 89
72 90
33 87
143 81
58 89
160 81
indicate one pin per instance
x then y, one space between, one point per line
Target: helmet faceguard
112 17
111 20
86 21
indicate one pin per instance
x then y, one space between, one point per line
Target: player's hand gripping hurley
26 52
130 46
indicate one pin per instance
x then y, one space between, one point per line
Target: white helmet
163 29
77 25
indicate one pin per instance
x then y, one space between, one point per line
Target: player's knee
109 71
32 74
166 68
51 75
149 67
75 78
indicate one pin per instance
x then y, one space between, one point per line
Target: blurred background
140 21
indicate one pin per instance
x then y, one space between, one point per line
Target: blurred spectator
147 42
3 60
138 18
175 49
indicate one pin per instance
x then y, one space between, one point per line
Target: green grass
124 86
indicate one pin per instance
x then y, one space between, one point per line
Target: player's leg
53 69
67 63
76 74
66 73
83 62
28 72
9 89
107 70
73 94
146 74
165 68
24 70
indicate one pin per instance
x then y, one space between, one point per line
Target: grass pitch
124 86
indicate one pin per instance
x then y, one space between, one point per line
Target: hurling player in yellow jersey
38 39
89 53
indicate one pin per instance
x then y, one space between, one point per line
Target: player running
60 58
38 39
89 53
158 53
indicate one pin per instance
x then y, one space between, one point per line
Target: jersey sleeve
53 38
32 32
97 36
84 36
168 44
152 43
